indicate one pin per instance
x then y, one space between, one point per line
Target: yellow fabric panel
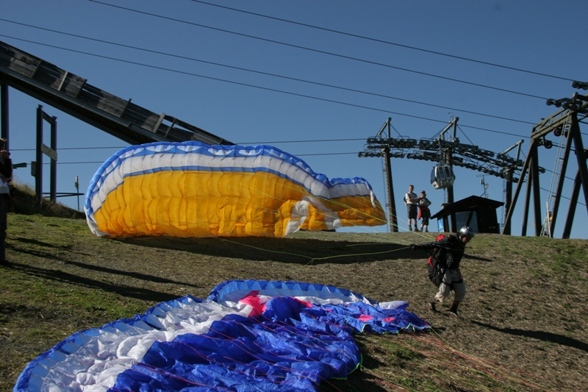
196 204
357 211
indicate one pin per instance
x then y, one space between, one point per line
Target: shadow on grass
476 258
123 290
357 381
135 275
37 243
296 251
541 335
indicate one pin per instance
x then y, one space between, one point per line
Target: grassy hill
524 324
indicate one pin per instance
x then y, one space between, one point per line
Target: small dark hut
476 212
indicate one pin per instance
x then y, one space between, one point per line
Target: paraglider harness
435 266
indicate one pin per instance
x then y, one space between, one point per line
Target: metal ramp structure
73 95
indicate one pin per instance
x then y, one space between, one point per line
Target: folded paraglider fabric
246 336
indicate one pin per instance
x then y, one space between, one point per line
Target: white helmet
466 231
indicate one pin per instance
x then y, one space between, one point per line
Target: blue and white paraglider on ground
248 335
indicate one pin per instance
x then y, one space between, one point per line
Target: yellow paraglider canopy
193 190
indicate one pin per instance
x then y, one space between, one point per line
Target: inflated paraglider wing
192 189
259 335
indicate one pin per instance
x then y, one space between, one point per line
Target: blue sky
314 78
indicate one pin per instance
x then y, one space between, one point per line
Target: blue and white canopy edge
247 335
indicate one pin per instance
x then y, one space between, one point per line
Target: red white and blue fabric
247 335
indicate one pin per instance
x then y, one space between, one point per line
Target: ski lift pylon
442 176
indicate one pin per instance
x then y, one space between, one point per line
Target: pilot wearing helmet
443 266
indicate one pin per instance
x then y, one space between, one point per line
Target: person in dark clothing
443 267
424 212
5 178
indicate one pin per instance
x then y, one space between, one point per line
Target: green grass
524 323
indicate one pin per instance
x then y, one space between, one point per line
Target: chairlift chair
442 176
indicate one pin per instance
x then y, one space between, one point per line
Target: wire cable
245 84
264 73
324 52
437 53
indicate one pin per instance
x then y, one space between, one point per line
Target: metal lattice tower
563 124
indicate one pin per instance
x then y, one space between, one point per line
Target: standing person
424 212
411 200
5 178
443 267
